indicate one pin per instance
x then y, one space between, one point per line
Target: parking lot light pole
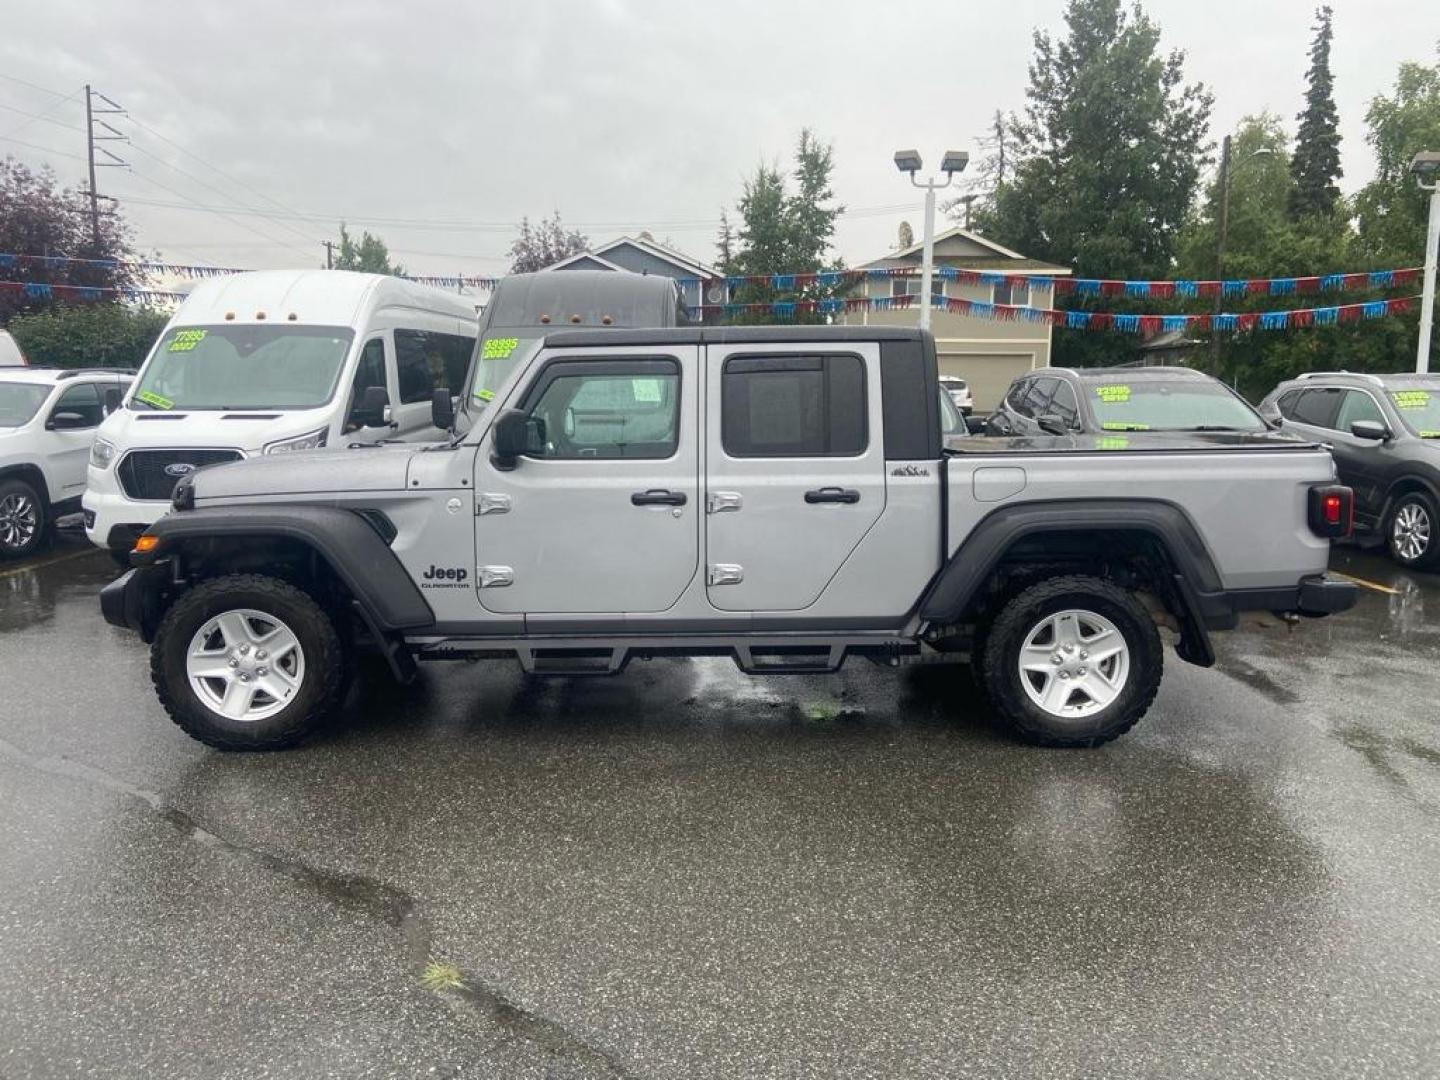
1426 166
908 161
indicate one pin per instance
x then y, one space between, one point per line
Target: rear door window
1316 406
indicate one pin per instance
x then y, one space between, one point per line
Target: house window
910 286
1015 293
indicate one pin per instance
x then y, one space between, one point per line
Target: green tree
1316 164
88 335
1109 151
785 232
544 244
39 218
369 255
1391 210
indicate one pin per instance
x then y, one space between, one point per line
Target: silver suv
1384 433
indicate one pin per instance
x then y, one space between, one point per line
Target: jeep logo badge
179 469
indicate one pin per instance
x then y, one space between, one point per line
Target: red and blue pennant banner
1146 325
44 290
1182 288
56 263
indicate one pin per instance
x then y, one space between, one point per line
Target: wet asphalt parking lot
687 872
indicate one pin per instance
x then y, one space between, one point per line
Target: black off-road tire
998 663
25 494
324 655
1412 503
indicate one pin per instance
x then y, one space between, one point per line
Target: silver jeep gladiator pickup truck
775 495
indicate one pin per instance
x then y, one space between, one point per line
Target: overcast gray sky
457 118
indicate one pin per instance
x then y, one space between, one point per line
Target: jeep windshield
1418 403
499 353
1159 404
20 401
244 367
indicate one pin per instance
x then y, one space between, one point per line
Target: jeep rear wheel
23 524
1074 661
1412 534
247 662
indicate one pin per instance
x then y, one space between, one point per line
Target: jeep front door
795 470
600 516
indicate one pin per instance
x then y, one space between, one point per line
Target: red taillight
1332 510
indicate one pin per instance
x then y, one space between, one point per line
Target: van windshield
244 367
499 354
20 401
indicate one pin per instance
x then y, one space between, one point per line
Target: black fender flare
1197 592
352 547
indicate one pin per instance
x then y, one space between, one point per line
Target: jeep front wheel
247 662
1074 661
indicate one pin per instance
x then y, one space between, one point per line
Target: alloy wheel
1074 663
245 665
1410 532
19 521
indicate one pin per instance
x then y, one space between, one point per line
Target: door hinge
725 574
723 502
496 577
492 503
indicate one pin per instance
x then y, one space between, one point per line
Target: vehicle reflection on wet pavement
689 872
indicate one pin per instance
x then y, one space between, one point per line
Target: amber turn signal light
145 544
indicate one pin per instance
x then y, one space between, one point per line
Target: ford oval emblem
179 469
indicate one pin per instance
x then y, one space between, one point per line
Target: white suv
47 423
959 392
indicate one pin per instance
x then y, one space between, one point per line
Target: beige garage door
989 374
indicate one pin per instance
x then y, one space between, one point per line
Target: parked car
776 494
1093 400
48 419
959 391
953 427
1384 432
10 354
272 362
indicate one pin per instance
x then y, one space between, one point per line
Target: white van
270 362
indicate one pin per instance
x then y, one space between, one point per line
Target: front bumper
135 600
114 521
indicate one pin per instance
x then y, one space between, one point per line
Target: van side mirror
516 433
1052 425
442 408
373 410
1370 429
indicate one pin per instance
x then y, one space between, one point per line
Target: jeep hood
307 472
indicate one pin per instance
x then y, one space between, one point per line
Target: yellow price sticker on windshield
498 348
1112 394
155 399
1124 425
186 340
1430 434
1113 442
484 395
1411 399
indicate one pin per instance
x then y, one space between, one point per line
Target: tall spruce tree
1315 165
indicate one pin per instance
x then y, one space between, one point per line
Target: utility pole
109 108
329 254
968 200
1223 228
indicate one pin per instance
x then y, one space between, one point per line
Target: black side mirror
442 408
516 434
113 397
1370 429
374 404
1052 425
67 421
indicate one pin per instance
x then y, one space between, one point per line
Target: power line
214 210
32 86
42 149
46 115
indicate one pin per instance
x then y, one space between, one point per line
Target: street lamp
1222 234
1426 167
908 161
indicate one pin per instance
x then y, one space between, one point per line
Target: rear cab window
793 406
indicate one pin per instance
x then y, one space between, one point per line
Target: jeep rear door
601 516
795 469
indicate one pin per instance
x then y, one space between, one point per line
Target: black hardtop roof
731 335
